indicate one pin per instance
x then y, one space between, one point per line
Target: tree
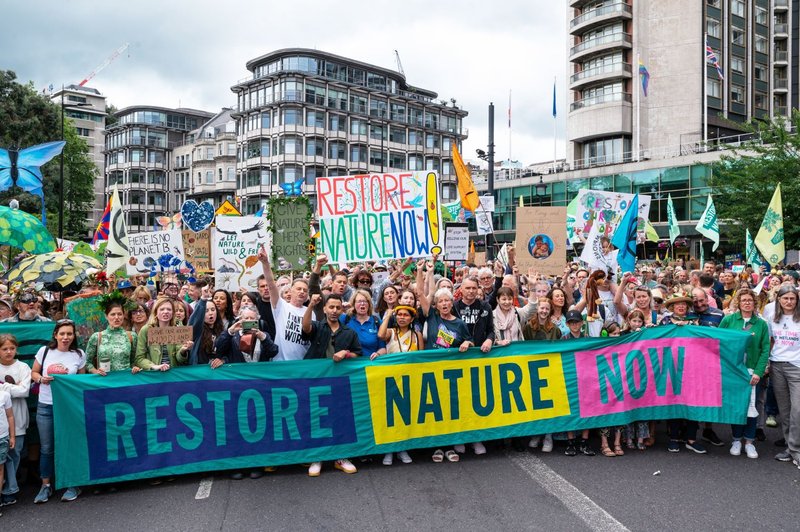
744 181
28 118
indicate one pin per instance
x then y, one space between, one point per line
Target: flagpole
509 127
638 109
705 93
554 125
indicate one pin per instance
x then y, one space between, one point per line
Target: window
737 64
209 177
397 160
432 163
737 94
358 126
83 132
449 192
377 132
761 72
761 101
431 120
377 107
315 119
358 154
231 173
738 8
713 28
397 134
432 141
713 3
337 150
377 158
447 144
398 111
415 162
315 147
292 117
315 95
737 36
337 122
358 104
337 100
219 174
762 15
415 138
266 120
761 44
210 153
376 81
713 87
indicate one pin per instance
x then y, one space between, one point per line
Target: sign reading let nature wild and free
235 251
191 419
379 216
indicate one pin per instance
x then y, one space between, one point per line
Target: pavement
502 490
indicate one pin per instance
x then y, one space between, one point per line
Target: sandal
618 450
438 456
606 451
451 456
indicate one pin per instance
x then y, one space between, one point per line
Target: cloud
190 53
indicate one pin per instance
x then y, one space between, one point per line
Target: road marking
574 499
204 490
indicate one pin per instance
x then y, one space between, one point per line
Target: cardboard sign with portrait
541 241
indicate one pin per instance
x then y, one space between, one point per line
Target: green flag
708 225
672 220
751 252
769 239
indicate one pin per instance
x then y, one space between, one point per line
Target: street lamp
489 158
61 170
541 190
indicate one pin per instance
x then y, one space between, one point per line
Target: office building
304 113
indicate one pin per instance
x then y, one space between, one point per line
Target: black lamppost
61 170
489 158
541 190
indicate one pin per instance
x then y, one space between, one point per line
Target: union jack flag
711 57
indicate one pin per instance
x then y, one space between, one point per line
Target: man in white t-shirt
288 316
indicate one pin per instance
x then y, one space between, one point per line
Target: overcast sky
190 53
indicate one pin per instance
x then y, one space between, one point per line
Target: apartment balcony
781 57
781 5
597 17
599 45
604 115
780 84
600 99
781 29
606 72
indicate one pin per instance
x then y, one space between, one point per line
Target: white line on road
574 499
204 490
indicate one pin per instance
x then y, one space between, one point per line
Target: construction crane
104 64
399 64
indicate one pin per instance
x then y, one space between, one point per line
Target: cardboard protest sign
87 315
608 208
456 241
379 216
197 249
541 239
483 222
155 251
168 335
290 219
236 240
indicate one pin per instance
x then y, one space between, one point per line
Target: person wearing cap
647 277
574 321
6 308
125 287
657 295
678 305
27 309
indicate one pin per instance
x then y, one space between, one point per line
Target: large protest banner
197 248
235 251
608 208
541 240
123 427
290 225
155 251
379 216
31 336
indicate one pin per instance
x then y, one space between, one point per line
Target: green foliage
28 118
744 181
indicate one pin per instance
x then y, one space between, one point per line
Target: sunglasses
65 321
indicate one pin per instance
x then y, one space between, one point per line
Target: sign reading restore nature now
124 426
379 216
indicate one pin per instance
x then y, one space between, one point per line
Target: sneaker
771 421
760 435
534 443
547 444
237 476
697 447
314 469
585 449
712 438
8 500
674 446
404 457
783 456
795 462
255 473
388 458
571 450
460 449
736 448
479 448
345 465
45 492
750 449
71 494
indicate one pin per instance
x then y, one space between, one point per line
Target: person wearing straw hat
677 306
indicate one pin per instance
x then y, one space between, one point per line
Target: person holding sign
160 357
206 324
113 349
288 315
59 357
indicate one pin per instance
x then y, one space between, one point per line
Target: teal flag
751 251
125 427
625 237
707 225
672 221
30 335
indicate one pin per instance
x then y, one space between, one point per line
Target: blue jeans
12 466
747 431
44 420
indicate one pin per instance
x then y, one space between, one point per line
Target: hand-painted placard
379 216
290 224
608 208
541 239
169 335
197 249
240 416
456 241
235 250
155 251
87 315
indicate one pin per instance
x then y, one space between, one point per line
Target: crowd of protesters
375 310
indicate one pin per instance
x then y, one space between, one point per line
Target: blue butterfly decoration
22 168
293 189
